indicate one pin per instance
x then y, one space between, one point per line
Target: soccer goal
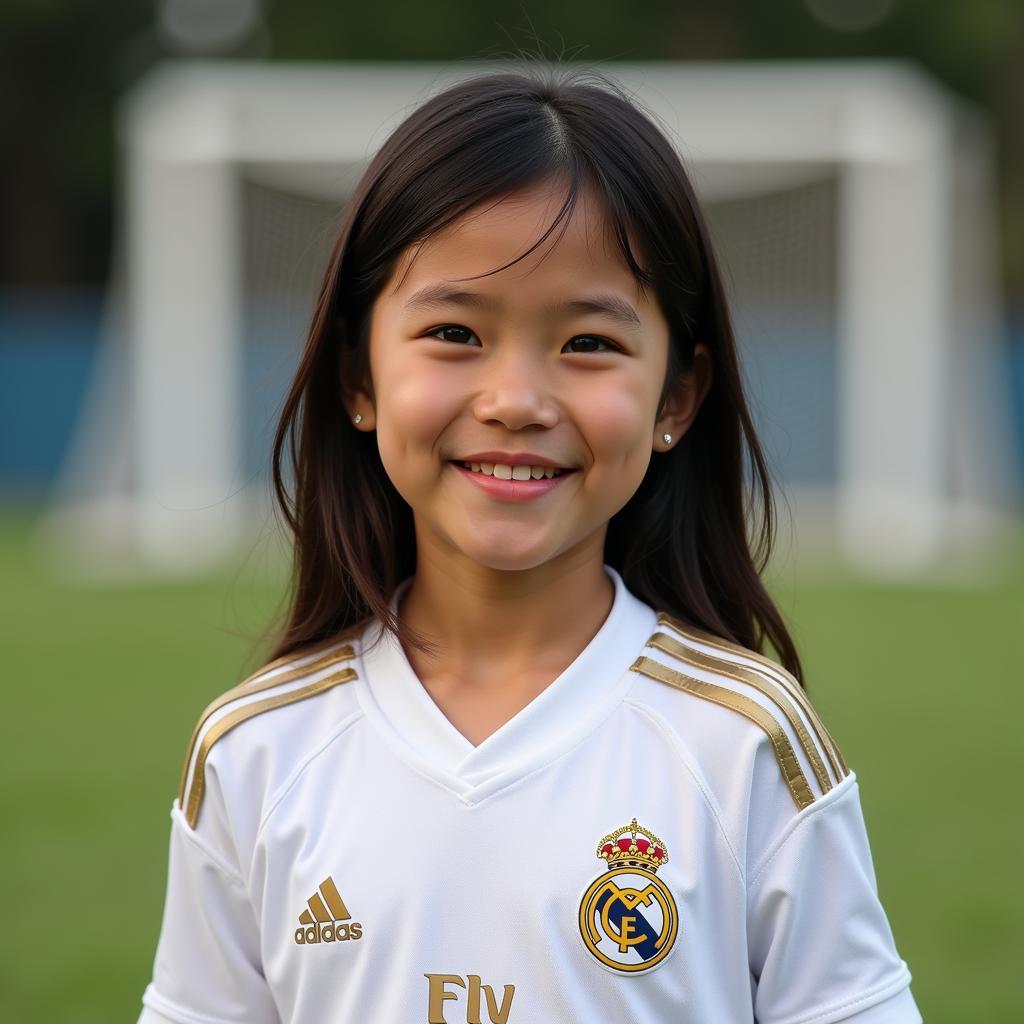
851 204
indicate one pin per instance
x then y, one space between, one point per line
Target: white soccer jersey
666 833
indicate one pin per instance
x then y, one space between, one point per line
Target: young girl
518 756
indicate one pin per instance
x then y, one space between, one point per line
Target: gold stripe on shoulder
762 683
792 772
243 714
324 647
785 678
258 681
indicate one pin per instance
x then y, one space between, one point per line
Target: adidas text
330 932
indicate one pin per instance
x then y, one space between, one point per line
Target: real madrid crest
628 916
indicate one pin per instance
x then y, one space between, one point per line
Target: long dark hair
681 542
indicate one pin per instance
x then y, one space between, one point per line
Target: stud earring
358 418
667 438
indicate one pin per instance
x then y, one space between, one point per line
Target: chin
510 558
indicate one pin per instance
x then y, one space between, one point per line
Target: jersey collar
585 692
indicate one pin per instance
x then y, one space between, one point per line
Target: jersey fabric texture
666 833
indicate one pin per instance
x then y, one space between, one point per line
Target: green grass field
922 688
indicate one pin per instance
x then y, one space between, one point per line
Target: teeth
503 472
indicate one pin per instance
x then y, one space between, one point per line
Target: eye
595 337
448 327
610 345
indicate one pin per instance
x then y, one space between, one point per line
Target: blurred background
172 177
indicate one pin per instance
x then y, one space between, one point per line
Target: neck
492 626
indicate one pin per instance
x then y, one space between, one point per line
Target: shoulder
737 710
269 720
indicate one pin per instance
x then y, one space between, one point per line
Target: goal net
851 207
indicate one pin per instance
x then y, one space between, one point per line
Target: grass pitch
921 687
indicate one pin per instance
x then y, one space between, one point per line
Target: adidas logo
327 919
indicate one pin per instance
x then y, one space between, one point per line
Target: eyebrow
604 304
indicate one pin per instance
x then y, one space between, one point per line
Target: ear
357 400
684 401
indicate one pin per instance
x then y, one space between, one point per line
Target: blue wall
48 344
47 348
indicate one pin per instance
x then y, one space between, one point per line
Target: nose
516 391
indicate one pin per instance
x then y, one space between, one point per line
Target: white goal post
921 461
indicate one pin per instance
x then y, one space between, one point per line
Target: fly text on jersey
445 987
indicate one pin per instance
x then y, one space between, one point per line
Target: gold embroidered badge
628 917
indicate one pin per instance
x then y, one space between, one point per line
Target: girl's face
513 366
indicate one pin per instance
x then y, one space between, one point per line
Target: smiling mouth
498 471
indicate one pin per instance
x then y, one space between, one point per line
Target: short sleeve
820 945
207 968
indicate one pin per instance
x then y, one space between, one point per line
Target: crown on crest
622 849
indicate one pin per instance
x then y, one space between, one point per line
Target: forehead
577 253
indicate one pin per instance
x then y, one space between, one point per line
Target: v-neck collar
587 690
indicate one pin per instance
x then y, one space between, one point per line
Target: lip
512 490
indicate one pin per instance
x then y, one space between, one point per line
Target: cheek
416 404
419 398
616 423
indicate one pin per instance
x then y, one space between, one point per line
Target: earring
667 438
358 418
